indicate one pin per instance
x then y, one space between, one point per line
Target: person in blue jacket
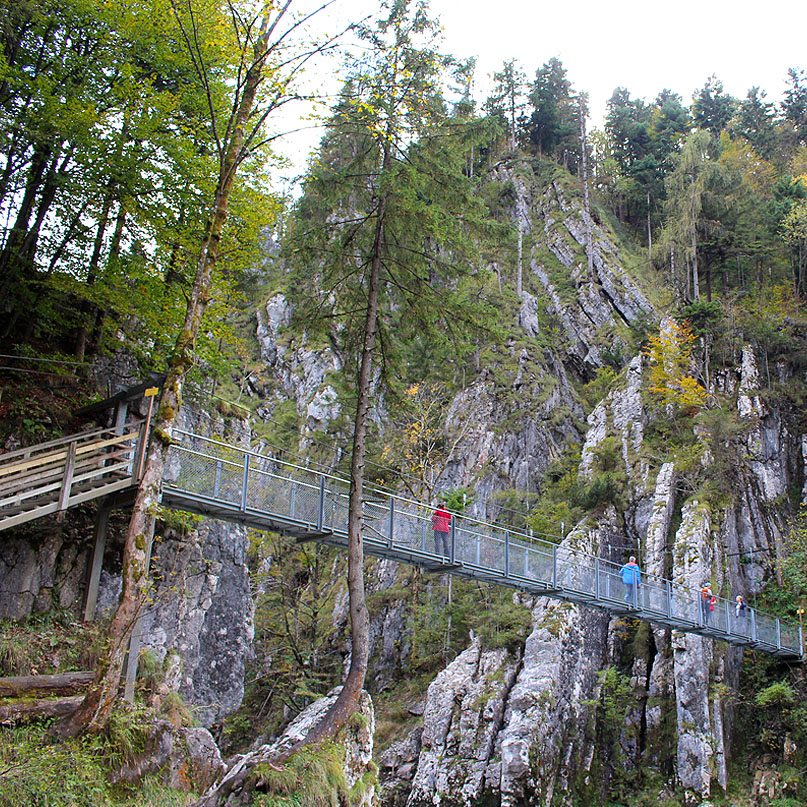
631 576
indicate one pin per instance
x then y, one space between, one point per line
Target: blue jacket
631 574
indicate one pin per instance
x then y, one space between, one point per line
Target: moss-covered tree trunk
95 709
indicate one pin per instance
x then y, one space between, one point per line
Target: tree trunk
96 708
586 202
9 257
87 307
18 685
35 709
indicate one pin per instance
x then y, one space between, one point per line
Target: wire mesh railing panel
612 588
336 508
718 615
538 564
375 520
304 499
269 493
413 527
576 571
790 637
486 551
765 628
740 623
653 597
207 476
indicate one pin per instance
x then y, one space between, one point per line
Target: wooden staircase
50 477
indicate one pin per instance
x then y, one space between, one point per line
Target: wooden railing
50 477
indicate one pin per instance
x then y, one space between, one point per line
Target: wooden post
96 564
140 452
67 479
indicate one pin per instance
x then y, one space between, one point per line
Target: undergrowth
34 771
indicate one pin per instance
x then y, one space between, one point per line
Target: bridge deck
226 482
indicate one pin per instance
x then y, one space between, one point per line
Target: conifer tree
381 247
507 100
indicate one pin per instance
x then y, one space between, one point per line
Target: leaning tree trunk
96 708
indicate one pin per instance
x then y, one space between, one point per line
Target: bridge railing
252 482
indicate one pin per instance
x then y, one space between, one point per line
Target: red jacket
441 520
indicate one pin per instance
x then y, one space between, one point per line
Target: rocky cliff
522 725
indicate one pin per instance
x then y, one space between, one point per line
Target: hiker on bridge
740 612
708 603
441 524
632 578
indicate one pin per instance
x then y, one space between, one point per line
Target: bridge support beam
96 563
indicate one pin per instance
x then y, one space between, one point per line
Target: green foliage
779 693
314 777
559 506
441 626
76 773
603 489
594 391
457 499
110 124
49 643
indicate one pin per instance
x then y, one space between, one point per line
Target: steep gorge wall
516 727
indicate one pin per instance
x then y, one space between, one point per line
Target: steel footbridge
223 481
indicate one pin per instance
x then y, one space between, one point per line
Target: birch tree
261 82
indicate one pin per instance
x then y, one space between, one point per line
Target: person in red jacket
441 524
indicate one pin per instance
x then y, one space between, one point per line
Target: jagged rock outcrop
302 371
599 302
355 742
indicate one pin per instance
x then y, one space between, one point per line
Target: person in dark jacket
441 524
740 612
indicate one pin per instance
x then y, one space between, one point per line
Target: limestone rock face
301 370
42 567
202 607
599 301
203 612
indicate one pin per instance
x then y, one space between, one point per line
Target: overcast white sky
644 46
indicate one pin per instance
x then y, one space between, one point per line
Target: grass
75 773
53 643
